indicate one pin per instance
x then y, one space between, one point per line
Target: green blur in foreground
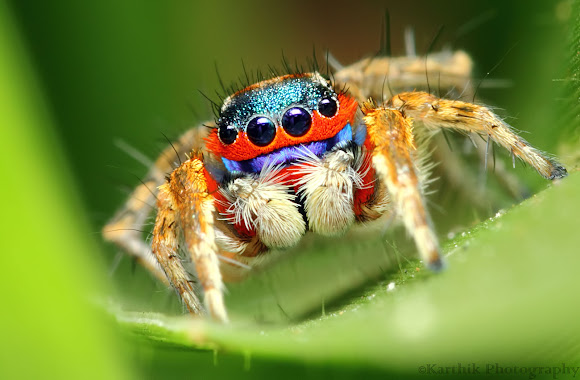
47 327
504 298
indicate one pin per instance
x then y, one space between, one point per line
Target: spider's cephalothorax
294 163
290 155
270 120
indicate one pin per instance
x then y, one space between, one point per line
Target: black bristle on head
251 77
215 107
298 68
220 96
385 48
247 83
315 66
327 65
274 71
429 50
173 147
219 77
384 41
343 90
285 64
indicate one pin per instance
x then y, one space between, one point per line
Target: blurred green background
91 73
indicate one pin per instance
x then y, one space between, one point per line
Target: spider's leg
462 177
434 112
166 250
506 178
125 228
375 77
186 214
391 137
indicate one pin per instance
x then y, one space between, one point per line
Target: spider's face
272 121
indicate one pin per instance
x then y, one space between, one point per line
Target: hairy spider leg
186 215
390 136
435 112
125 228
451 73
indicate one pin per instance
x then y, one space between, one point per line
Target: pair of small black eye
327 106
228 134
260 131
296 121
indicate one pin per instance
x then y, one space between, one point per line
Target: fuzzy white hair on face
327 187
265 204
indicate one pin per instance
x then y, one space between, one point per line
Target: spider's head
272 118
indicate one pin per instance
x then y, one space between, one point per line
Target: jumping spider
295 153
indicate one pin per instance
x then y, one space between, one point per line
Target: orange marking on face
322 128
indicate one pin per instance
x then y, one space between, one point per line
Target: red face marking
322 128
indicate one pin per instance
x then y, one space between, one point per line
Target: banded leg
124 229
166 251
391 135
449 73
434 112
377 76
186 214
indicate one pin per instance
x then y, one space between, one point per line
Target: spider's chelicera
290 155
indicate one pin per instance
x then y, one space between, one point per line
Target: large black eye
296 121
227 134
261 130
327 106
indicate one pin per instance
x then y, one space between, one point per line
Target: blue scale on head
271 99
259 112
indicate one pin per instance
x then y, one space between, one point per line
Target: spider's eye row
296 121
261 130
328 106
227 134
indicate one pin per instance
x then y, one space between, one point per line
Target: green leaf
114 69
509 296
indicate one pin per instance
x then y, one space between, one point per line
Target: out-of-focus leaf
47 327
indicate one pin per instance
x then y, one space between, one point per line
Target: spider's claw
437 265
215 305
558 171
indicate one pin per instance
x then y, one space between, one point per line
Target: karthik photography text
530 372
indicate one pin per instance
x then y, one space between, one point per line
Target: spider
298 153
